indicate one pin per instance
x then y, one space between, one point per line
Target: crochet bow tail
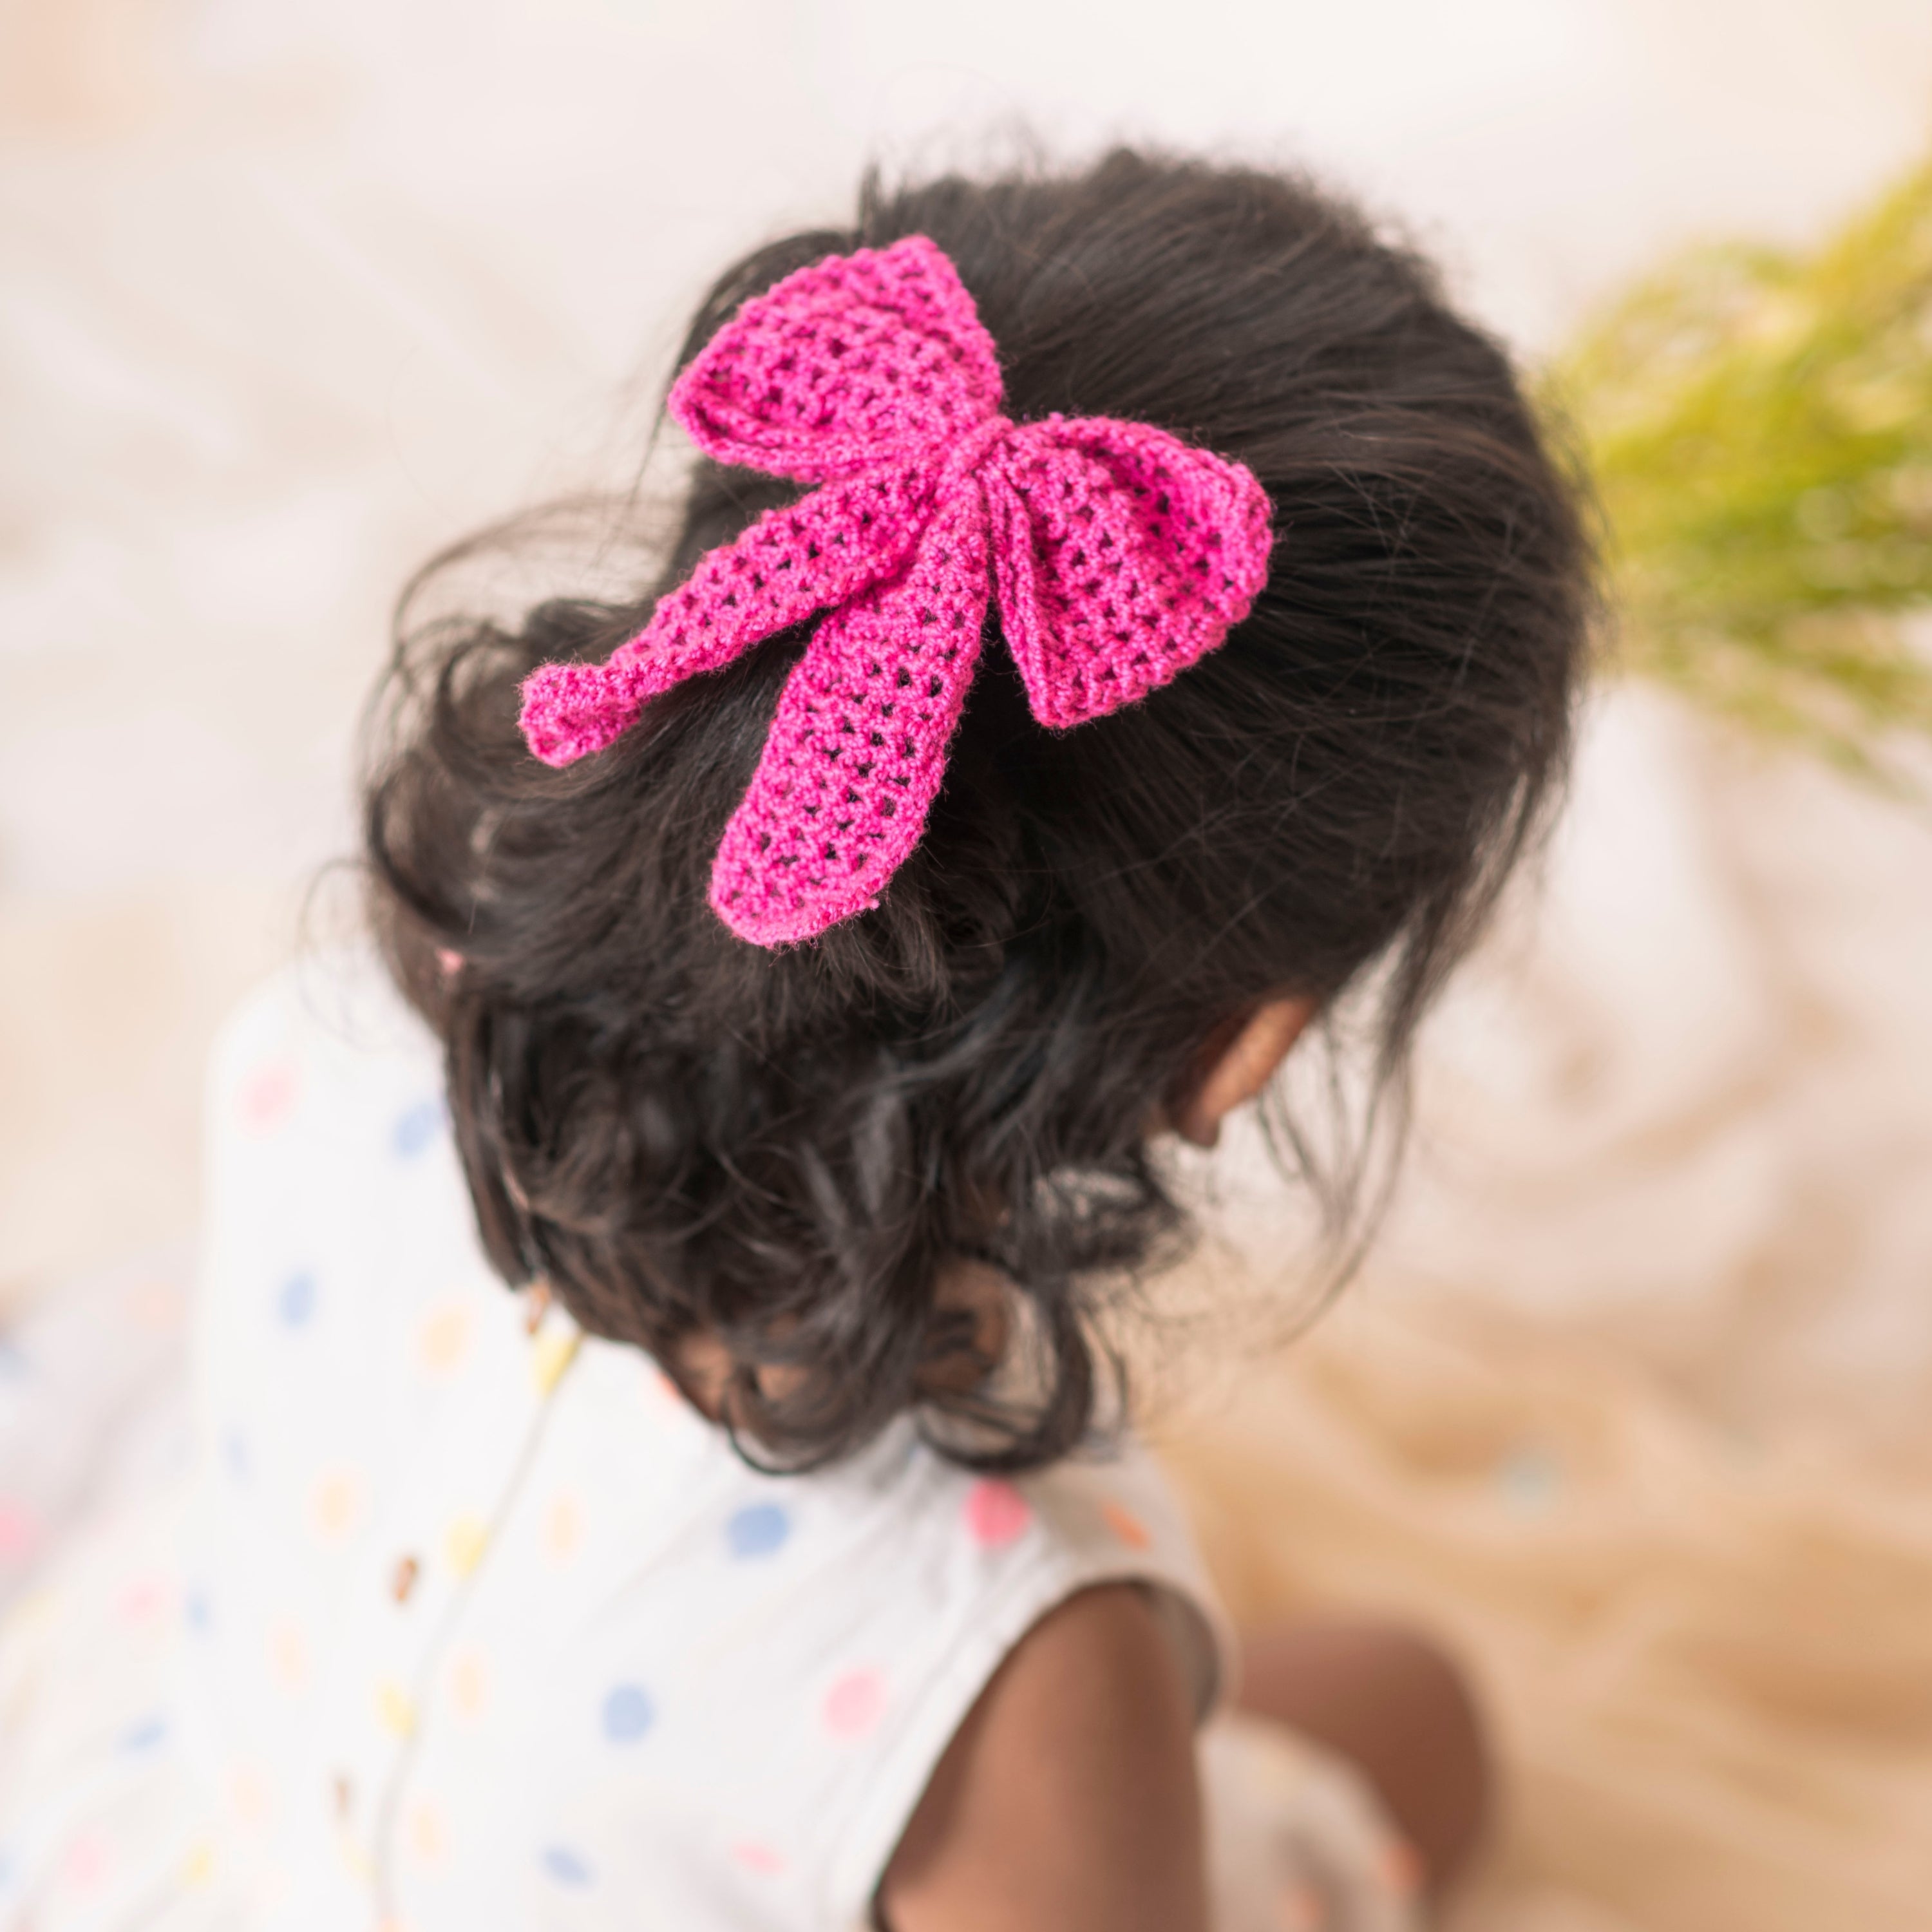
793 561
857 747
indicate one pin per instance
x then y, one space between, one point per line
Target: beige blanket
1632 1402
1709 1665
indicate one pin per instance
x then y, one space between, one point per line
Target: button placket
419 1566
537 1359
613 1431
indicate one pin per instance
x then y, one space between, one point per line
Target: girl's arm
1067 1801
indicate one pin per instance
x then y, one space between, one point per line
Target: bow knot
966 456
1119 556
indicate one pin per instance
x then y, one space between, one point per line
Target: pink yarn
1120 555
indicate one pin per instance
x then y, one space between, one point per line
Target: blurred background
1633 1397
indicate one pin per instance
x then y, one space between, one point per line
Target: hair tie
1119 555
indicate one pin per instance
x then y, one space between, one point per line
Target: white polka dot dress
467 1621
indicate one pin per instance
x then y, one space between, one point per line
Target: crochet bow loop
858 362
1122 555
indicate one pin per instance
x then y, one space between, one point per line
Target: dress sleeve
1066 1530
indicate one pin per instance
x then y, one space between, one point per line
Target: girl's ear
1238 1061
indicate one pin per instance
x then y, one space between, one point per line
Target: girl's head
780 1155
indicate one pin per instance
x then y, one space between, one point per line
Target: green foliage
1759 426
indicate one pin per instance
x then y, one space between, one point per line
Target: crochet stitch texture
1119 554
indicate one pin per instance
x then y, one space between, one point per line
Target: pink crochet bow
1119 554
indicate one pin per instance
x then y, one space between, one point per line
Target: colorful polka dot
288 1654
395 1711
855 1704
466 1684
196 1612
563 1527
198 1868
14 1366
294 1300
629 1713
144 1601
464 1542
34 1611
759 1529
426 1834
20 1530
234 1455
86 1864
144 1734
335 1504
248 1796
549 1357
996 1513
443 1339
268 1095
416 1129
758 1857
1126 1526
565 1864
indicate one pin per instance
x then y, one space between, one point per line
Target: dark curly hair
779 1154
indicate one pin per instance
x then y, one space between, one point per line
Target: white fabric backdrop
290 295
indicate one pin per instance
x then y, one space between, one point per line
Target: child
1114 614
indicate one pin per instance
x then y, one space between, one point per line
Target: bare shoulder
1068 1798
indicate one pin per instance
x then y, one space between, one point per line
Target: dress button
538 1307
404 1580
342 1795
